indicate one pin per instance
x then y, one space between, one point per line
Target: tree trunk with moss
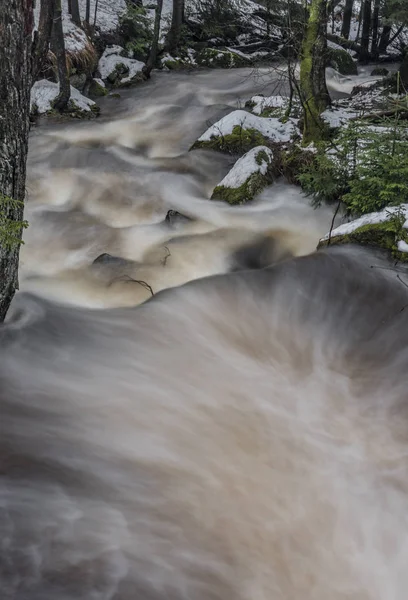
16 25
58 47
151 61
315 97
174 34
42 38
348 13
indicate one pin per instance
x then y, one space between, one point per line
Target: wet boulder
240 131
341 60
247 178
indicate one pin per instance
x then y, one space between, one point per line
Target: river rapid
240 437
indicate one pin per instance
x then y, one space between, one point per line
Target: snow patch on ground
107 16
44 92
337 116
271 128
111 57
75 38
370 219
247 166
337 47
263 102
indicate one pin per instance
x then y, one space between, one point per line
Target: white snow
271 128
337 47
370 219
238 53
99 82
337 116
44 92
402 246
247 166
262 102
74 37
107 16
111 57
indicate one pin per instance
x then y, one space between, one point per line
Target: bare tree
174 34
42 37
58 46
375 22
365 32
73 9
151 61
347 14
16 25
314 95
88 12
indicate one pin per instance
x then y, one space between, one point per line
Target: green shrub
135 29
365 167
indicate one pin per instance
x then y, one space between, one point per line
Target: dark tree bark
58 46
16 25
315 97
348 13
365 32
43 37
73 9
384 39
174 34
151 61
88 12
375 21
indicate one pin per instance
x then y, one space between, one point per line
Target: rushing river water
242 437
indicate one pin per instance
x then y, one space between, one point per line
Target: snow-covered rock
119 69
247 178
240 131
44 92
385 229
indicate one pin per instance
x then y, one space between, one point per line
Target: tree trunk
151 61
43 37
375 20
88 12
384 39
173 36
348 13
58 46
365 33
315 97
73 9
16 25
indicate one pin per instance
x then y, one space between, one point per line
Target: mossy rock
243 194
96 89
341 61
221 59
379 72
79 113
384 236
238 142
256 166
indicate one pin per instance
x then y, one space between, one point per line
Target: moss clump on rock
384 236
247 178
96 89
221 59
245 193
238 142
379 72
341 60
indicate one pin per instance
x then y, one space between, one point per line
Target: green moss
384 236
222 59
78 113
245 193
96 89
238 142
341 60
